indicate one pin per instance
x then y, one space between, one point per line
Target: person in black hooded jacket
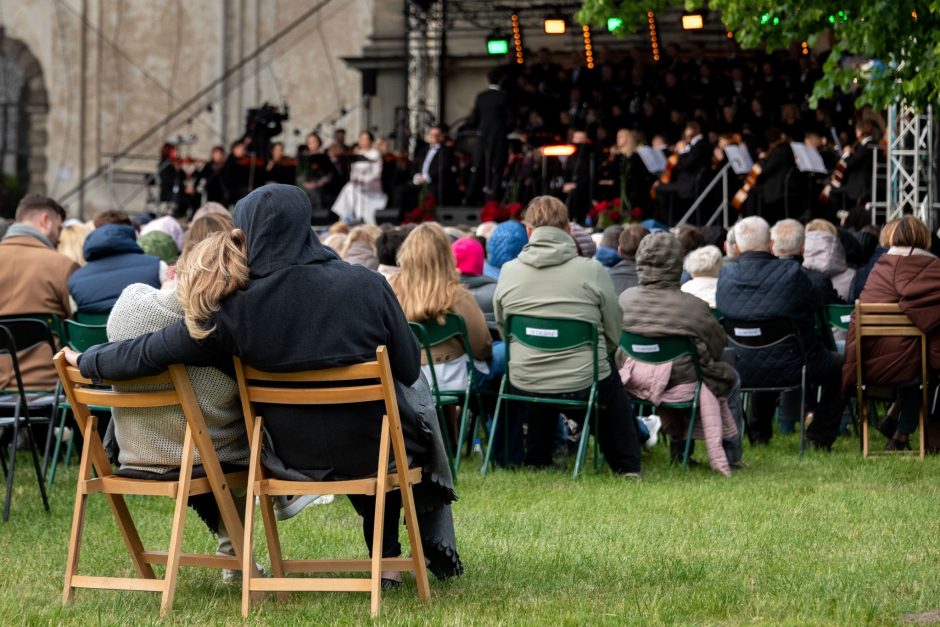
304 308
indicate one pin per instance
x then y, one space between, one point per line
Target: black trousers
365 506
616 433
825 426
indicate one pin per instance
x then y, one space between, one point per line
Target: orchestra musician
623 174
857 174
433 169
362 196
769 202
315 171
211 175
280 168
577 173
695 155
236 174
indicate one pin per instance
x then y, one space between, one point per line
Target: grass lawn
831 539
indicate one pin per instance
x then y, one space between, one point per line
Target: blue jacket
762 287
114 262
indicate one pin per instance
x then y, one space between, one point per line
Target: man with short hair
624 273
550 280
33 280
761 287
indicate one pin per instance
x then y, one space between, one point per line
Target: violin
835 182
740 197
666 177
248 161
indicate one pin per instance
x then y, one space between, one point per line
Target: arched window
14 151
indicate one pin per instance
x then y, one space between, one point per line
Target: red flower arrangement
495 211
606 213
424 212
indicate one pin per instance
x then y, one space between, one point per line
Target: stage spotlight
692 22
555 26
559 150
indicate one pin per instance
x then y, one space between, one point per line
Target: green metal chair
431 334
550 335
838 317
81 337
91 319
660 350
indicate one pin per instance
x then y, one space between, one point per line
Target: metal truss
911 166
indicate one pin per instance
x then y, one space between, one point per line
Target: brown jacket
912 281
33 279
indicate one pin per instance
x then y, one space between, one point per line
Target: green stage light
497 46
765 19
614 24
776 21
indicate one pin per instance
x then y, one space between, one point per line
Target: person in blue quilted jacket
762 287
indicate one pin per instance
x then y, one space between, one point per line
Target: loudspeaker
368 82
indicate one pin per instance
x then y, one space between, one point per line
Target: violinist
695 156
624 172
236 174
280 168
211 173
856 178
772 182
170 174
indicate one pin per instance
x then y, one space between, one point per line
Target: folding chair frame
81 392
552 334
358 386
887 320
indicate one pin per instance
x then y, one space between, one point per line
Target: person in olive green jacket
550 280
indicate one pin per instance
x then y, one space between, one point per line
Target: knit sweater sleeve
151 354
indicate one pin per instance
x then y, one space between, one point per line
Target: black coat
856 179
490 115
773 178
304 308
763 287
691 164
441 170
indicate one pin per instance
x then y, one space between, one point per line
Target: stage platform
447 216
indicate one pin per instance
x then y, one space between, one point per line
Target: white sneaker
654 423
289 506
231 576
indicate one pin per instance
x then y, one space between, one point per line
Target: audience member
824 253
386 251
505 244
168 225
760 287
607 249
33 279
72 240
623 274
703 265
159 244
114 262
359 246
787 238
550 280
907 274
112 216
658 308
469 255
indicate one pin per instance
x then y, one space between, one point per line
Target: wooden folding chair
886 320
371 381
176 390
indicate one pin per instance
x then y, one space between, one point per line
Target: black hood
276 220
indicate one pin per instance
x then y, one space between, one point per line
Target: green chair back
839 316
91 318
551 334
84 336
656 350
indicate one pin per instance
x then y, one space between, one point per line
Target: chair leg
445 433
248 571
688 436
12 466
55 404
378 525
54 462
585 436
179 521
464 414
492 436
36 464
78 523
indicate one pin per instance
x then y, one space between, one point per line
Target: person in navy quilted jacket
763 287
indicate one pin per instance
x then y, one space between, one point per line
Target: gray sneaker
231 576
289 506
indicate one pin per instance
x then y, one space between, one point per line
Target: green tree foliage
896 42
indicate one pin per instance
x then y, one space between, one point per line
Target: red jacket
912 281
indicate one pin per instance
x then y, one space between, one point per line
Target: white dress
362 196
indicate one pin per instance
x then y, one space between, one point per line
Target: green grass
831 539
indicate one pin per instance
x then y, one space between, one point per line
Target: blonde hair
206 224
546 211
210 271
428 285
884 239
821 225
72 241
367 233
910 231
339 227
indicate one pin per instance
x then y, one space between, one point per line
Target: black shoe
818 446
898 445
888 426
390 584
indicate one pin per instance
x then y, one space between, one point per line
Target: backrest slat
355 372
551 334
158 379
656 350
315 396
112 398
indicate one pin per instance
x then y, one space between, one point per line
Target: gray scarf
18 229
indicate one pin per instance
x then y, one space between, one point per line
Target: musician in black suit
577 185
695 156
491 117
857 178
772 182
433 169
